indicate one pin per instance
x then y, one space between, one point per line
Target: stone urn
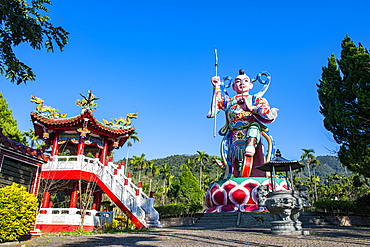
284 207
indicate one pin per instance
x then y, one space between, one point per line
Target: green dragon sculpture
46 111
120 122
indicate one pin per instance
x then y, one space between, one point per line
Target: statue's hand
216 81
244 105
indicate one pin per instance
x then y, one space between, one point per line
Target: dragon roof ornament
88 102
46 111
121 123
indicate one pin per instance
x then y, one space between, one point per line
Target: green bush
17 212
339 207
179 209
363 205
359 207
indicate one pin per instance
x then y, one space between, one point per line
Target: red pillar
97 199
81 146
45 200
54 150
104 152
74 197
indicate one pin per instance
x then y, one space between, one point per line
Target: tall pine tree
344 93
8 123
186 188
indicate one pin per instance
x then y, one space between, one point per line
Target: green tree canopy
22 22
8 123
186 188
344 93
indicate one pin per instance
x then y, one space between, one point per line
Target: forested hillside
328 177
329 166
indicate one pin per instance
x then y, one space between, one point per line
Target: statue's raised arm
218 100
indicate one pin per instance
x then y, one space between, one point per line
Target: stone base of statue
238 194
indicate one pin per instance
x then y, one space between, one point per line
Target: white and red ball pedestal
238 194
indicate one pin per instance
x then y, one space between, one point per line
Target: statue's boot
250 150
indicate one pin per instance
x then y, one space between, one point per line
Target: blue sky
156 58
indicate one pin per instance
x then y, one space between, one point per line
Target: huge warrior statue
246 116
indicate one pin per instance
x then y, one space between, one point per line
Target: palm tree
33 140
202 156
189 164
165 175
151 171
139 163
310 159
133 137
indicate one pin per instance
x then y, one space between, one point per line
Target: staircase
237 219
111 179
217 220
312 219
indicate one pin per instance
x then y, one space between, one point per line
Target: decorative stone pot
284 207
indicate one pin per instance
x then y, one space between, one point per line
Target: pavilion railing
72 216
134 199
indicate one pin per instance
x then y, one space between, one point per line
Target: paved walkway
190 236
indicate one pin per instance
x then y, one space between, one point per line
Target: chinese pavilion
81 168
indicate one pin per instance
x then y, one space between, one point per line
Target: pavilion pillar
55 147
74 196
81 145
104 152
46 200
98 195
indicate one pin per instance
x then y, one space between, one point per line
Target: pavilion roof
280 164
41 123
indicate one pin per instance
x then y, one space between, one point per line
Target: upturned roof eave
77 121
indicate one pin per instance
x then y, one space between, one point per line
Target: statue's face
242 84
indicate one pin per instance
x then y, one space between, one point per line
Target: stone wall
186 221
348 220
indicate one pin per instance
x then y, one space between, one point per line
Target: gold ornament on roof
88 102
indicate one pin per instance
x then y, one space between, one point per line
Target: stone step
215 223
217 220
211 215
223 220
315 222
309 213
312 219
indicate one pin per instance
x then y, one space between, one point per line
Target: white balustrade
72 216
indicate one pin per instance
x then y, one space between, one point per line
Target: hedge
17 212
360 207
